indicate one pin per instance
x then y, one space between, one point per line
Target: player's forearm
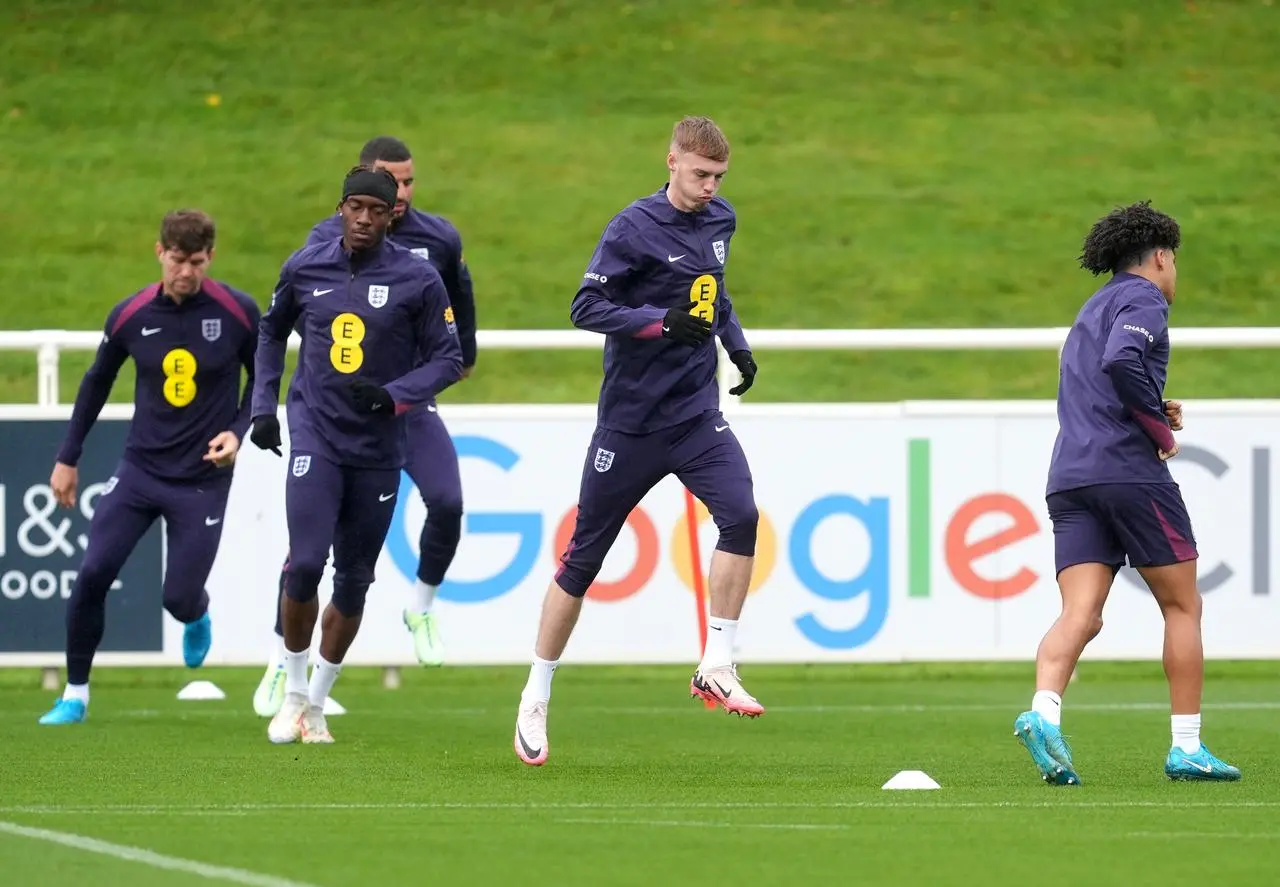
268 369
428 380
598 315
95 388
244 415
732 336
1139 396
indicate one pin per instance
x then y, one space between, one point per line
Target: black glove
266 433
742 360
684 328
371 398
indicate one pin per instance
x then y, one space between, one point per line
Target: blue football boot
1201 766
197 637
66 711
1049 750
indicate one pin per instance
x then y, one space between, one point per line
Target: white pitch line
1198 836
782 826
242 809
148 857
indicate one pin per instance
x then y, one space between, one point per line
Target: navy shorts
1147 524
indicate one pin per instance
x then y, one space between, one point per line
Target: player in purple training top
655 287
378 339
189 337
431 460
1110 494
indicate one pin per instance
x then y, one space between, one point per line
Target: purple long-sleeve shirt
435 239
189 356
1111 390
381 315
653 257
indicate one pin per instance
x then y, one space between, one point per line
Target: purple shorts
1147 524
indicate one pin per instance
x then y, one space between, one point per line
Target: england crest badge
604 460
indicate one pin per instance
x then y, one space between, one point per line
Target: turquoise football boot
1049 750
197 638
1201 766
66 711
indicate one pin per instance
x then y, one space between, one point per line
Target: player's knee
185 604
1085 623
94 578
348 597
302 579
576 574
739 524
444 517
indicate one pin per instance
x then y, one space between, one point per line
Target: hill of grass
895 164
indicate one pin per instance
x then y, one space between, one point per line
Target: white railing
49 344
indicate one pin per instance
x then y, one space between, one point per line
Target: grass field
895 164
644 786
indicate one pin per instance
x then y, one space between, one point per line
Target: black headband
370 183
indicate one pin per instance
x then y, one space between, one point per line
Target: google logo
528 528
959 540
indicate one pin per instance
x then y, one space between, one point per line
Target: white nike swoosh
320 292
212 521
382 498
147 332
432 410
721 427
666 329
671 258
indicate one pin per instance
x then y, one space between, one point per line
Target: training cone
199 691
910 779
333 706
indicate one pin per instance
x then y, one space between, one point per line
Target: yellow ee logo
703 291
179 367
345 354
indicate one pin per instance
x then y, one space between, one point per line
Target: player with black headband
378 338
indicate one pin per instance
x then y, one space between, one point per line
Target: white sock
323 675
720 636
1048 705
77 691
1186 732
295 672
425 595
277 653
538 689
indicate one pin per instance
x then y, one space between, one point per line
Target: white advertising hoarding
888 532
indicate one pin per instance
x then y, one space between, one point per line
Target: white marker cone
201 691
910 779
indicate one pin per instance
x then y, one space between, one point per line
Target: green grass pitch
906 164
644 785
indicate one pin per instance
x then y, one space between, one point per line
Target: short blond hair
701 136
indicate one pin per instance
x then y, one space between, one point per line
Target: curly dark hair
1121 239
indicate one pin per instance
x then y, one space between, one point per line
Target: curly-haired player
1110 493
